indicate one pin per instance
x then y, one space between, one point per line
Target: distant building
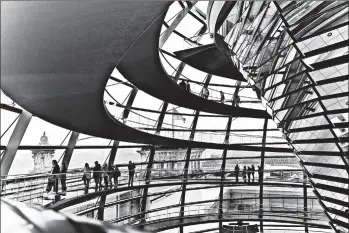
42 157
170 158
242 158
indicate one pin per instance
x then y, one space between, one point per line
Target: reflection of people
64 178
131 171
237 169
53 179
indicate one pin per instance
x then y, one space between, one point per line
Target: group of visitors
204 92
247 173
54 178
108 174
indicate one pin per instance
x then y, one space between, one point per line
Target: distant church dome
43 140
42 157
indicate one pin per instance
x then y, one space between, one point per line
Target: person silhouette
237 169
244 174
253 170
260 174
131 171
249 174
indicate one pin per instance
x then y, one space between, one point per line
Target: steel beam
10 108
70 148
185 174
166 34
186 165
130 101
14 142
113 151
318 33
147 182
328 48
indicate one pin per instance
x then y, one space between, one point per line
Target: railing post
100 213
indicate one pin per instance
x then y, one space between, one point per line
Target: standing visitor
253 170
86 177
131 172
237 169
188 86
260 174
64 178
105 175
117 174
244 174
53 178
249 174
111 175
222 97
97 175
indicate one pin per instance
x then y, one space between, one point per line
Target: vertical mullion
265 129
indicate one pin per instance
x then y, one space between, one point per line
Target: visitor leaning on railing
63 178
105 175
53 179
32 188
86 177
97 175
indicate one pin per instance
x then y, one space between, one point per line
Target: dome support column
14 142
70 148
260 179
224 158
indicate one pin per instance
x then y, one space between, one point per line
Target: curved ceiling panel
58 56
141 65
